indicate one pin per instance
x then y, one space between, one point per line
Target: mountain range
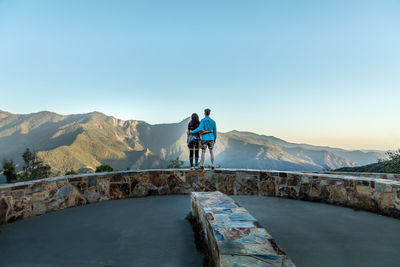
84 141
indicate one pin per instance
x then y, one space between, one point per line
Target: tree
392 165
104 168
34 167
9 171
175 163
71 172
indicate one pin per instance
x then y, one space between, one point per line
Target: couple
204 133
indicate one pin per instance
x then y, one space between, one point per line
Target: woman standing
193 140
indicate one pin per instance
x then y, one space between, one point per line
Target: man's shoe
202 167
191 168
212 168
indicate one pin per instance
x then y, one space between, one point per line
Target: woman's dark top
191 127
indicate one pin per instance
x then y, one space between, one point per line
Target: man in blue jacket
208 139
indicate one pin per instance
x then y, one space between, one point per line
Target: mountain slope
87 140
75 141
356 157
373 167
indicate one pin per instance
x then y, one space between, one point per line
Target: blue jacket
207 124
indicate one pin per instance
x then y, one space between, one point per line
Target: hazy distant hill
356 156
387 166
373 167
87 140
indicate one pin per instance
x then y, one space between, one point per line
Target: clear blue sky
318 72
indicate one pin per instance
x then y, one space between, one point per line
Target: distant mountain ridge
87 140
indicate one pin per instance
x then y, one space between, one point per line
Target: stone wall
22 200
233 236
389 176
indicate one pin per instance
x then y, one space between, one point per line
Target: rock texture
233 236
390 176
22 200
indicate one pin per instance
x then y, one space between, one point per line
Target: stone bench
233 236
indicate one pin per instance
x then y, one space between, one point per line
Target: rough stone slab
233 236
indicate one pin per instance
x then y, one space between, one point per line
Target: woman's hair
195 120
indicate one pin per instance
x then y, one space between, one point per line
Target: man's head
207 112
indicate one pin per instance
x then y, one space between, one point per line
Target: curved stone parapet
389 176
22 200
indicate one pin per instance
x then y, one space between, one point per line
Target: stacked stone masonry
233 236
23 200
389 176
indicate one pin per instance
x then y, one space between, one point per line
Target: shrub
104 168
34 167
9 171
392 165
175 163
71 172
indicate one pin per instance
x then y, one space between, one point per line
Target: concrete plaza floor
317 234
148 231
152 231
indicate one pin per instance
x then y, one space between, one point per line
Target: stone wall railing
389 176
22 200
232 235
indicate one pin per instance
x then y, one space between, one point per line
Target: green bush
71 172
34 167
175 164
9 171
104 168
392 165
